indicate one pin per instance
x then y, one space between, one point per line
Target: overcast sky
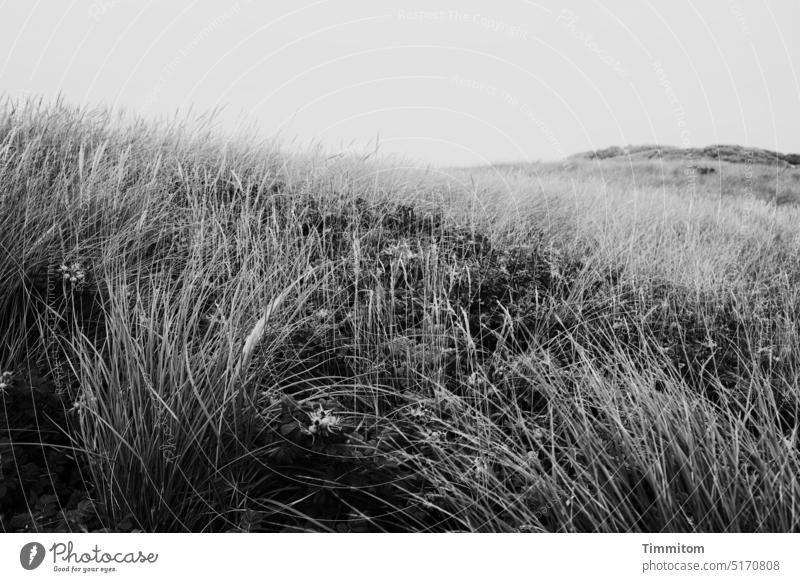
444 82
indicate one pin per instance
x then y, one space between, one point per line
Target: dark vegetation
720 153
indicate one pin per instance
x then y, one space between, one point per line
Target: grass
269 341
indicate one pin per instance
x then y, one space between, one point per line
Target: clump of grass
257 341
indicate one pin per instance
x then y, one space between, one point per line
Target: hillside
715 153
201 333
718 174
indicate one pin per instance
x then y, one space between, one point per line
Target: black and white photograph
444 267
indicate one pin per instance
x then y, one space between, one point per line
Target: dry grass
270 341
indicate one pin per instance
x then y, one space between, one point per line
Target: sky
441 82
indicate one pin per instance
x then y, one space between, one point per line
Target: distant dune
729 171
725 153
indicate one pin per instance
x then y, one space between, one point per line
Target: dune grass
212 334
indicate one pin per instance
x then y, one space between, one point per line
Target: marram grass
272 341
